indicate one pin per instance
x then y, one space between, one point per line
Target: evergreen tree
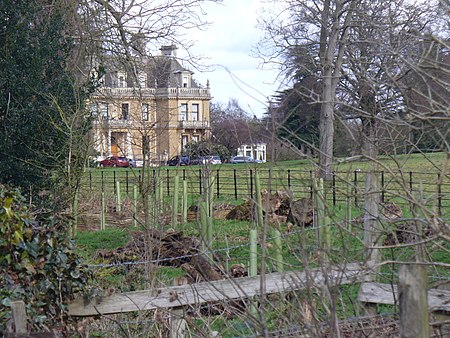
38 98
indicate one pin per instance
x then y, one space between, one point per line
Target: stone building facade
149 108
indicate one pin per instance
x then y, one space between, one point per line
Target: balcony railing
183 92
194 124
113 123
125 92
154 92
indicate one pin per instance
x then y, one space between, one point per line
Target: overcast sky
229 43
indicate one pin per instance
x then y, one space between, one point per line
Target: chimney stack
169 51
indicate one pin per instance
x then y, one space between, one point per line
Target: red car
114 161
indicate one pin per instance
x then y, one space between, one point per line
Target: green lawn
300 247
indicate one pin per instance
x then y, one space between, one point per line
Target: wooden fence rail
379 293
229 289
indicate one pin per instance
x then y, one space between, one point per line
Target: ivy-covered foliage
38 262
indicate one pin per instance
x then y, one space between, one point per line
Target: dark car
198 160
178 160
242 159
114 161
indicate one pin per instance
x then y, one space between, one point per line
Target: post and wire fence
236 184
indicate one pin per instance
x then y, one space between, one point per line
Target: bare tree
323 26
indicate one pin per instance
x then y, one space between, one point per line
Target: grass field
300 246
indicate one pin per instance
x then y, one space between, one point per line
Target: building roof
162 71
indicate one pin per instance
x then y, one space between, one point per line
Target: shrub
38 262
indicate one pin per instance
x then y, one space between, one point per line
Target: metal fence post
251 183
218 183
289 178
235 184
334 188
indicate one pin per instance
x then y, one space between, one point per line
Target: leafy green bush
38 262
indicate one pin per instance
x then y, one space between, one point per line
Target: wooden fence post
210 193
177 322
175 203
135 197
19 316
259 204
371 228
412 288
160 193
348 208
253 268
118 201
278 251
103 213
185 203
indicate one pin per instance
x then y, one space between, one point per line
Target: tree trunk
326 129
333 42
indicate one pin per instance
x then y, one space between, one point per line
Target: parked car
132 163
197 160
136 162
213 159
114 161
178 160
242 159
139 162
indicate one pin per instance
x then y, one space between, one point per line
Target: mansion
149 109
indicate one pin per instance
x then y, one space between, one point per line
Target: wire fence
234 184
431 190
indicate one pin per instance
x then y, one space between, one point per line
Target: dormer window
185 79
121 80
142 78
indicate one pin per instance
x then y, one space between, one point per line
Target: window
94 109
184 141
104 111
195 138
185 81
195 112
144 110
125 110
183 112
